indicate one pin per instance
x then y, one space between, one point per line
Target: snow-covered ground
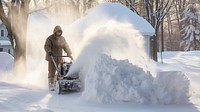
22 98
189 64
115 71
7 62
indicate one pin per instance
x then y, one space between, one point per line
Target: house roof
5 43
114 11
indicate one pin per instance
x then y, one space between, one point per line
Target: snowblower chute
61 81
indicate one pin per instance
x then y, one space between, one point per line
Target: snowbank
109 80
6 62
170 87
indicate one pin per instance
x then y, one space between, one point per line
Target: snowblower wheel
58 88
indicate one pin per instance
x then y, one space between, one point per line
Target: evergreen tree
189 29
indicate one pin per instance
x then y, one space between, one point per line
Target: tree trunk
169 30
16 24
162 37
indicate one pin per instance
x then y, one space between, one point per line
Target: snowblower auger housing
61 82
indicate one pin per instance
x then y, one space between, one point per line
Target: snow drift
170 87
110 80
6 62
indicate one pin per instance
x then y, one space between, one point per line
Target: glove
50 53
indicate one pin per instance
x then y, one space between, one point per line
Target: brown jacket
56 45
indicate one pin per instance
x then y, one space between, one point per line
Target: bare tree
14 15
156 11
179 6
170 30
131 4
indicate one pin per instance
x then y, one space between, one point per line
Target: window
1 49
9 51
2 33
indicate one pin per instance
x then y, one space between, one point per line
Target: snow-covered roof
4 43
114 11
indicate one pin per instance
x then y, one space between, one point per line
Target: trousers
51 69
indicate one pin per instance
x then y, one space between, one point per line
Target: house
5 44
105 12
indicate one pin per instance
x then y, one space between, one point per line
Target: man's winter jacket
56 45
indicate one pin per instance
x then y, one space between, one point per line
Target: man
54 45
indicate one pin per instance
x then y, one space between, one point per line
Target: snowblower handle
60 56
65 56
55 65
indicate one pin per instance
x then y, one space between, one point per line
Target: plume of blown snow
119 40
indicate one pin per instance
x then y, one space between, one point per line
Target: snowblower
62 83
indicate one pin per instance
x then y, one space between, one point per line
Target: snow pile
110 80
170 87
6 62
